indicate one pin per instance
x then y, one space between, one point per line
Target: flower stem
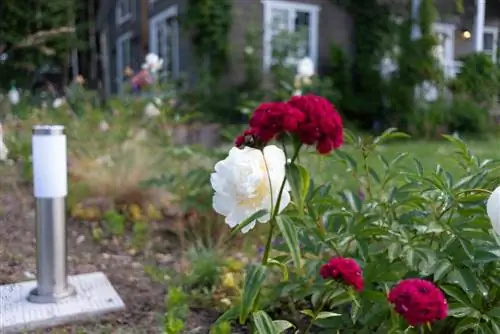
272 221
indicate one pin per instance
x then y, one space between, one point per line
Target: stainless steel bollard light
50 183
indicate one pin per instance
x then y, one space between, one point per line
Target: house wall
335 26
114 32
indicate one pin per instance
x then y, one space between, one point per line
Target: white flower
297 92
249 50
153 62
103 126
493 209
4 151
242 187
58 102
158 101
151 110
305 67
14 96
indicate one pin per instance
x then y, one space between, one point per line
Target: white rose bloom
242 187
305 68
493 209
151 110
154 62
58 103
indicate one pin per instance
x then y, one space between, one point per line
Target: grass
429 153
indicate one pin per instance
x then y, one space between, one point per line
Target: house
129 29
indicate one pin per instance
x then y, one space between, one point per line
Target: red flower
343 269
322 125
273 118
246 138
418 301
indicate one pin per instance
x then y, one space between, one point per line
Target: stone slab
94 296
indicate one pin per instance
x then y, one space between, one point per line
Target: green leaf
282 266
229 315
299 181
494 313
390 133
263 323
289 233
457 294
254 278
325 315
347 160
441 268
309 313
282 325
248 221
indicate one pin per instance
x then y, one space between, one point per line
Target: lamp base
35 297
94 296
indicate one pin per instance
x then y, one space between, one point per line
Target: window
164 41
445 50
490 37
123 11
123 58
289 24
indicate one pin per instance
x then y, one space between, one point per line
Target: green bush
405 222
478 80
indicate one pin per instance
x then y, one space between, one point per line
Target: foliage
400 223
34 32
478 80
209 22
177 309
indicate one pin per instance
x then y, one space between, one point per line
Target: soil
143 297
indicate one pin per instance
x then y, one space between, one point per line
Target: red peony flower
418 301
322 125
345 270
273 118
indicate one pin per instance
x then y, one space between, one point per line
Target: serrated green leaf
287 228
254 278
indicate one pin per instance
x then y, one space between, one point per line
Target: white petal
223 204
237 216
285 200
218 182
493 209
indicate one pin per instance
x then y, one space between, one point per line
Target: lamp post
50 183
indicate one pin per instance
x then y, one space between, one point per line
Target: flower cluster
313 119
418 301
345 270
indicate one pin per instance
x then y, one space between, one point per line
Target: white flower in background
305 68
4 151
297 92
242 187
59 102
103 126
14 96
249 50
158 101
151 110
153 62
493 209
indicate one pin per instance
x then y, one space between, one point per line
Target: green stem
272 221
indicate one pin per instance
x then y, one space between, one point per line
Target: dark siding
184 40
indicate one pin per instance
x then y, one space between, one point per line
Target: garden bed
144 297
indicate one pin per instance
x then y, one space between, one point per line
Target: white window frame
313 10
494 32
123 17
120 65
161 17
449 64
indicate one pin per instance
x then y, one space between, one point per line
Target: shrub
343 251
478 80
